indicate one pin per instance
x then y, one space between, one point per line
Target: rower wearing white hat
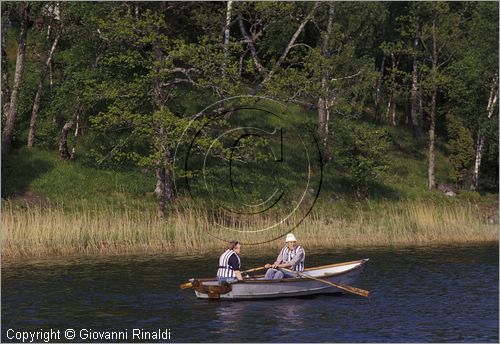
291 256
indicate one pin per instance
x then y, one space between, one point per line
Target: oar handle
254 269
190 285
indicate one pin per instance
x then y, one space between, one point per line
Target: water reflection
290 314
230 315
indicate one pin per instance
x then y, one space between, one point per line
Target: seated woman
229 264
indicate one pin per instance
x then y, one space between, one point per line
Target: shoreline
147 252
71 257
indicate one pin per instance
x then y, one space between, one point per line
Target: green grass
72 184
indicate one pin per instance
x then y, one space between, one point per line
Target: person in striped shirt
291 256
230 264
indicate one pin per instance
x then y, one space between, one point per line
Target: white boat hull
259 288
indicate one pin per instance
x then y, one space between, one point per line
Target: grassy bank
37 231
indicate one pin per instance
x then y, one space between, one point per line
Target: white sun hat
290 237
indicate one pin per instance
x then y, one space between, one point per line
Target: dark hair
233 243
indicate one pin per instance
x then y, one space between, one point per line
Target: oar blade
354 290
186 285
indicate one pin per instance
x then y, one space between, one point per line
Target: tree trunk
21 54
322 122
225 50
391 111
323 115
38 96
290 44
432 138
378 88
490 108
415 93
63 145
394 120
432 127
5 70
389 107
251 45
63 141
420 113
226 37
164 182
390 114
477 162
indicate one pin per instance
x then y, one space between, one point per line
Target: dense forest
111 85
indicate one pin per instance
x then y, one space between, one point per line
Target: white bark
21 54
414 94
225 46
251 45
493 98
38 96
226 37
391 104
323 111
432 127
480 141
477 162
5 70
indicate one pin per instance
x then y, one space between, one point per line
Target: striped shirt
296 257
229 262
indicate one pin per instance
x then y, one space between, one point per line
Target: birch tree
329 74
5 66
473 83
272 16
10 121
440 33
53 15
227 27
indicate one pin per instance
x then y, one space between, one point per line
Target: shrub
359 150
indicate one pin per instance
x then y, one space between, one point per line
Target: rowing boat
259 288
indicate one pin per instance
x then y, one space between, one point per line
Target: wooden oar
186 285
254 269
190 285
348 288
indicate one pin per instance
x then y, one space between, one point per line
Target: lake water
440 294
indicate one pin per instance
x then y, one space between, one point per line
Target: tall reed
37 231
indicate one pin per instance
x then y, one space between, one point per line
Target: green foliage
138 72
470 196
359 150
461 150
340 56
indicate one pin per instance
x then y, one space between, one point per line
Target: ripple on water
439 294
